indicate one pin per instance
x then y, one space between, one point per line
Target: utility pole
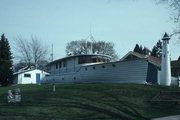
53 85
51 52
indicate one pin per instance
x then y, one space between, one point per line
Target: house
175 72
96 68
132 68
175 68
153 69
29 75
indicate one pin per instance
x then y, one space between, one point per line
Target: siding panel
123 72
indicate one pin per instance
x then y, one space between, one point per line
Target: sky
57 22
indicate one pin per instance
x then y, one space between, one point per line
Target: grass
87 102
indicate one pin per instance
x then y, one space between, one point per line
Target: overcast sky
123 22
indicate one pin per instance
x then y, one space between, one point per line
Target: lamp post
54 87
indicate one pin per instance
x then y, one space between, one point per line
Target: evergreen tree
141 49
157 50
159 47
6 68
154 51
146 51
137 48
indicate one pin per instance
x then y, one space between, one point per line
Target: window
56 65
64 63
92 59
82 59
59 64
27 75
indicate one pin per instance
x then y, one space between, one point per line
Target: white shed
29 76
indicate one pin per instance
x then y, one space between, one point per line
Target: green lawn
87 102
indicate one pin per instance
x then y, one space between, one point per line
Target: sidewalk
174 117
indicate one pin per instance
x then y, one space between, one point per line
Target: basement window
27 75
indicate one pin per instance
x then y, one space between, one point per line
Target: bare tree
23 51
31 52
39 52
86 47
175 5
78 47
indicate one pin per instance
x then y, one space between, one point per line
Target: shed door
37 78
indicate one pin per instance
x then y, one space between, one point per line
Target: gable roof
132 53
151 59
26 69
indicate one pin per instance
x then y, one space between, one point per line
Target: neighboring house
175 68
29 76
153 71
175 72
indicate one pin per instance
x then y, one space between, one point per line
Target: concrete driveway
174 117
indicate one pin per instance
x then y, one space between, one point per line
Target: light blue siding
134 71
